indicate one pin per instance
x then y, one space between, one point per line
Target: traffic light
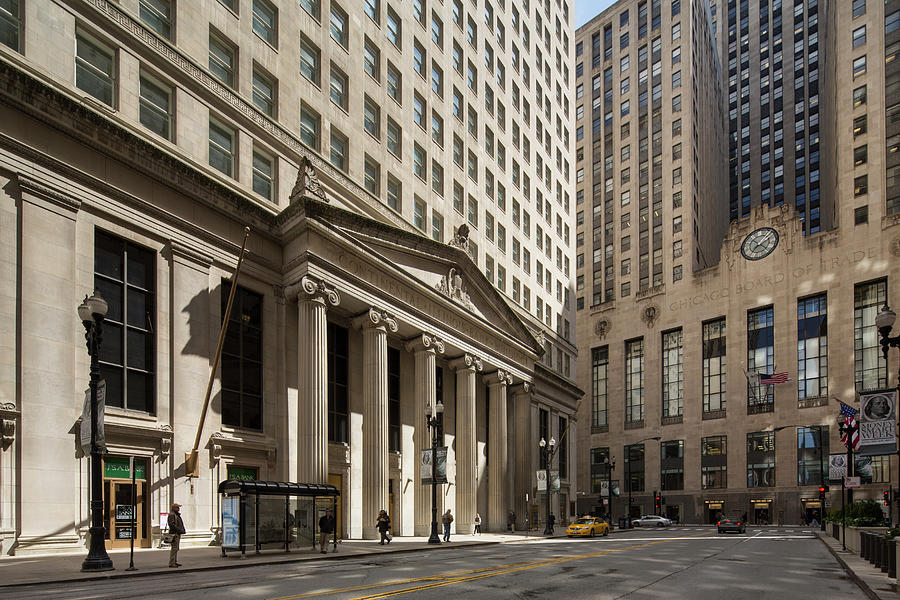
657 502
887 497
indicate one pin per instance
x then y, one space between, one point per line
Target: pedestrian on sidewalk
551 522
477 524
176 530
326 528
511 521
446 519
384 526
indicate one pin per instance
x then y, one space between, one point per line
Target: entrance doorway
714 512
761 514
117 509
812 511
673 513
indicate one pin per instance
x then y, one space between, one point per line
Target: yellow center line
436 581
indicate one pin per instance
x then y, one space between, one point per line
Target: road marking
436 581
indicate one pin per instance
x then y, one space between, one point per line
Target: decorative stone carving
499 376
307 184
215 446
539 336
602 327
376 317
165 442
313 289
8 417
452 286
461 238
271 455
650 314
467 361
424 342
895 246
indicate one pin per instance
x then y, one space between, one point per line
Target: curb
850 572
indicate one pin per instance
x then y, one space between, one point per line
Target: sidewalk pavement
875 584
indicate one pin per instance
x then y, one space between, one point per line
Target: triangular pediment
444 270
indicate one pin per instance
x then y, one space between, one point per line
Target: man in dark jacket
176 530
326 528
383 523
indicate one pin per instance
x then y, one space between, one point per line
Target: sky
585 10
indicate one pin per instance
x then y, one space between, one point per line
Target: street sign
852 482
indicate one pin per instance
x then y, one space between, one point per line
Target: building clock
759 243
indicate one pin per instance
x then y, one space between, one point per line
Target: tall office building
675 375
405 169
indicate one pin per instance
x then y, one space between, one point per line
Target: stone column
313 297
522 444
424 347
374 325
498 503
466 443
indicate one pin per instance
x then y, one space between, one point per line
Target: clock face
760 243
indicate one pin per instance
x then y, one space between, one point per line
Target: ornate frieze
452 286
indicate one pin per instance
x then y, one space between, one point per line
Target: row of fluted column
310 421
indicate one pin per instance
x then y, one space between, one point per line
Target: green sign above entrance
117 467
243 473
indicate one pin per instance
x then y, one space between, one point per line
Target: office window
714 462
859 96
309 127
634 456
313 7
338 383
95 68
812 347
437 30
437 226
419 158
634 380
437 178
373 9
419 110
860 155
339 87
338 25
394 192
394 138
393 399
371 176
714 364
394 32
812 455
760 358
125 275
394 83
761 459
309 60
860 125
264 91
671 460
673 373
437 79
372 59
419 210
156 14
340 149
156 107
372 118
870 368
859 36
859 8
859 66
860 215
265 20
419 58
221 148
242 369
264 175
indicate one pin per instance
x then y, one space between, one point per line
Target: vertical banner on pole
877 422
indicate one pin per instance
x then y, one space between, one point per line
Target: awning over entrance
277 488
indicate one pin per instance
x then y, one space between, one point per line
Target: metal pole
843 517
432 423
628 477
821 480
97 558
546 453
609 494
131 566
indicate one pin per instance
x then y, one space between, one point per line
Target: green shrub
863 513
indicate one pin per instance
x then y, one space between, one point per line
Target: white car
652 521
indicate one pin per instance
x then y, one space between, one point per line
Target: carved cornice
180 250
425 341
467 361
36 188
498 377
224 440
376 318
310 289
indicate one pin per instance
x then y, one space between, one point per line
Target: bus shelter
261 515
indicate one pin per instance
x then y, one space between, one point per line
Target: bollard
864 544
883 563
892 558
878 551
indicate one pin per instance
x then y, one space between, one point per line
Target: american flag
850 426
773 378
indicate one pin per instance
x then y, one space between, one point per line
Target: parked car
725 525
588 526
652 521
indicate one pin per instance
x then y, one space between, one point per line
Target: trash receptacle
621 522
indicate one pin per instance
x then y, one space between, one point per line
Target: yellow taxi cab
588 526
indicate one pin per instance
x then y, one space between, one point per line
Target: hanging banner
877 422
541 481
837 466
425 466
554 482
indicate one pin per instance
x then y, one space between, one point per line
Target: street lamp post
628 475
610 462
432 420
547 452
884 321
91 312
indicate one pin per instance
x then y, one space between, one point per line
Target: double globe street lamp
91 312
548 449
884 321
610 462
433 417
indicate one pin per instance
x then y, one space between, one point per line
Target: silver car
652 521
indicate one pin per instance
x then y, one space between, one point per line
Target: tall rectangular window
264 175
263 92
673 373
338 25
599 469
562 455
634 456
125 275
242 371
265 20
671 462
394 192
870 368
338 379
713 462
812 454
761 459
309 127
95 68
310 60
156 14
340 148
599 372
714 365
222 60
634 380
372 176
760 358
812 347
221 148
543 432
393 374
156 110
11 24
338 88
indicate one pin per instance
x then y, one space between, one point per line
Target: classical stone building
792 286
392 260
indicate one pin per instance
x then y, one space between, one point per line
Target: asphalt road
694 563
